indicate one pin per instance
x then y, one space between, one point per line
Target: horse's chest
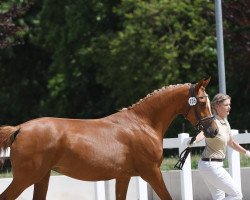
151 151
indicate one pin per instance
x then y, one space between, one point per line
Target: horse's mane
170 87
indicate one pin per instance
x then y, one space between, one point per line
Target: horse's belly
92 156
96 167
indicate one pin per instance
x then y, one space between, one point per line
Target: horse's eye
202 104
202 98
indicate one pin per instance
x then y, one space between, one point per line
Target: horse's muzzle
209 132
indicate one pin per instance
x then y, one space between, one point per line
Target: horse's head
199 110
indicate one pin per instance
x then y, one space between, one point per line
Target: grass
169 163
6 175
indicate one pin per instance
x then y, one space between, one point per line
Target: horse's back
49 132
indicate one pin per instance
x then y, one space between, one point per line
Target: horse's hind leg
41 188
121 188
16 187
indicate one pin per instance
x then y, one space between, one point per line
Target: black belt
212 159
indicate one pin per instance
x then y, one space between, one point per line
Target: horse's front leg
154 177
41 188
121 188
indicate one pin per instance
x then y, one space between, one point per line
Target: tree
91 58
159 43
108 54
237 40
77 37
24 66
10 33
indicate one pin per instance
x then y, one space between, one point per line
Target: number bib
192 101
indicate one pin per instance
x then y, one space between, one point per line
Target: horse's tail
7 136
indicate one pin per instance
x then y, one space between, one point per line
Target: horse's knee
121 188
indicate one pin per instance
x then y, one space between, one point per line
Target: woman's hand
189 144
247 154
238 147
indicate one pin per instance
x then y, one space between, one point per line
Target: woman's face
223 108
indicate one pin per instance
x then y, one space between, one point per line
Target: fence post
185 173
142 189
100 190
5 154
234 162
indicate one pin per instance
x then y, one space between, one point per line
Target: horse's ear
199 84
205 82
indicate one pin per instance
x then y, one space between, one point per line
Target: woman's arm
237 147
199 137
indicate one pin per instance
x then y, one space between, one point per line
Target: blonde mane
154 93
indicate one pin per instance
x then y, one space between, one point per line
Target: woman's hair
218 99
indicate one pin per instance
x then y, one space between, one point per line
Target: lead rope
183 156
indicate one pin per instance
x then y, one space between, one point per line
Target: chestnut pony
125 144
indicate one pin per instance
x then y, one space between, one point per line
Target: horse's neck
162 108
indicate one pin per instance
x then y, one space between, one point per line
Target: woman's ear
215 108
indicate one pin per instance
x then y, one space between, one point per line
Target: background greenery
87 59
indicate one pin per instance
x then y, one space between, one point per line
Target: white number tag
192 101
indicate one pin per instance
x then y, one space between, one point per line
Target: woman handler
210 166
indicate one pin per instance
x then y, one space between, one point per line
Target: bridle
201 123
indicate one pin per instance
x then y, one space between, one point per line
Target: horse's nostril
215 132
209 132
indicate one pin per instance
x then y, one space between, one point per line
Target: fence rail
185 173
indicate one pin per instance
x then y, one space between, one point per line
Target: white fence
185 174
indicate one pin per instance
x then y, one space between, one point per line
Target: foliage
77 38
157 44
237 40
23 72
168 163
87 59
10 33
23 79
